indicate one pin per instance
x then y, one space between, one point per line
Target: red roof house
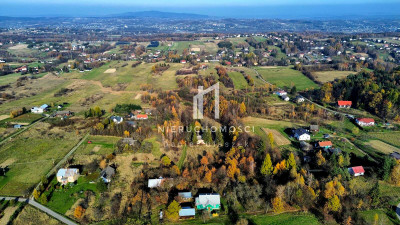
344 104
325 144
356 171
142 117
365 122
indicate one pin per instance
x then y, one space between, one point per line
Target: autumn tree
277 205
78 213
165 161
271 140
395 175
334 203
172 212
267 168
320 159
242 109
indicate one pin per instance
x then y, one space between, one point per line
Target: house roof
208 199
154 182
324 143
186 211
300 131
141 116
185 194
346 103
117 118
314 127
366 120
395 155
63 112
358 169
44 106
108 172
67 172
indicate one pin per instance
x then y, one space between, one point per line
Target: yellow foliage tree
277 205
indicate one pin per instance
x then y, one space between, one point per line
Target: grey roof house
107 174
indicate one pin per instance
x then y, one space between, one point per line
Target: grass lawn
388 137
101 145
382 146
238 80
383 217
286 77
26 119
183 157
156 146
63 199
31 155
327 76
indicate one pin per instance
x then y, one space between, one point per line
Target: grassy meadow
286 77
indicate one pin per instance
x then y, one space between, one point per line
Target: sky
271 9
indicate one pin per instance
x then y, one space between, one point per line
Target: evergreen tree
219 139
375 195
194 137
207 136
387 167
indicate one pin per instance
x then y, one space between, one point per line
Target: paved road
41 208
23 129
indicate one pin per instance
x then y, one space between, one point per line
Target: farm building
365 122
344 104
208 201
301 134
69 175
187 212
63 113
356 171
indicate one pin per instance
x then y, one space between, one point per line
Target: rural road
41 208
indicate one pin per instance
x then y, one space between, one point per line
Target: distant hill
161 15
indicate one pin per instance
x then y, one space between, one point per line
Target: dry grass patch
30 216
382 146
3 117
112 70
278 137
327 76
7 214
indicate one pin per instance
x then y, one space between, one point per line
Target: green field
286 77
31 155
238 80
101 145
383 217
388 137
285 219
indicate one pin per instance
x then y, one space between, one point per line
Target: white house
69 175
285 98
153 183
117 119
37 110
301 135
